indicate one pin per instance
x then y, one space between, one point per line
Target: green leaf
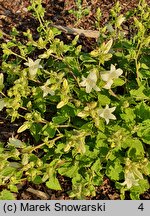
96 167
118 82
53 183
13 188
139 25
101 136
35 130
37 180
139 93
62 103
41 43
8 171
106 47
103 99
39 103
128 116
137 190
144 131
75 40
6 195
97 175
60 148
86 58
97 180
146 167
135 148
59 119
68 169
114 170
68 110
99 123
142 111
5 48
25 126
2 104
25 159
49 130
87 126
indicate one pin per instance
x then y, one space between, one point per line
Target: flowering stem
66 126
113 94
42 144
40 19
18 55
137 72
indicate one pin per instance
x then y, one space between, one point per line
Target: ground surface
14 13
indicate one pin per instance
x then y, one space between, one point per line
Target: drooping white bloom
90 82
106 113
33 66
130 180
46 89
109 76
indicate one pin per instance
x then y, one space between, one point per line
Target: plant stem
19 56
2 93
139 46
42 144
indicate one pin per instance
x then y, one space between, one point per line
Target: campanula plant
86 115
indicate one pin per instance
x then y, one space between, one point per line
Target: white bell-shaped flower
130 180
33 66
106 113
46 89
90 82
109 76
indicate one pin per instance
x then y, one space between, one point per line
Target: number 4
141 207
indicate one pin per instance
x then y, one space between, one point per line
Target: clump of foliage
80 11
88 113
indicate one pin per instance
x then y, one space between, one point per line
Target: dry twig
76 31
40 194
